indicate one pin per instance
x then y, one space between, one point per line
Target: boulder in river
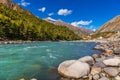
73 69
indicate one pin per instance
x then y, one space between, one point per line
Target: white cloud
23 3
77 23
42 9
50 14
64 12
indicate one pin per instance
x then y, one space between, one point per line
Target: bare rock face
112 25
8 3
73 69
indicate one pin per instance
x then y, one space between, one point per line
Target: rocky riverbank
104 66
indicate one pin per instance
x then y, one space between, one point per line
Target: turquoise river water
39 59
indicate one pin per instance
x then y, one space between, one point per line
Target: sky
87 13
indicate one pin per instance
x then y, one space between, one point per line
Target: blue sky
87 13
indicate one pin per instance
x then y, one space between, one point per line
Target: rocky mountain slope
78 30
112 25
108 30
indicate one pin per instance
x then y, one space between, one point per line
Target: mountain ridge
111 25
77 30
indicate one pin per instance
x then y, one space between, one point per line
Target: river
39 59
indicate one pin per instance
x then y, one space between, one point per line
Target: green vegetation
103 34
21 25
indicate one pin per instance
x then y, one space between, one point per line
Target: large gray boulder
111 71
112 62
73 69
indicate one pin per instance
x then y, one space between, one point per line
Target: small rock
96 77
73 69
95 56
33 79
119 69
65 78
112 62
85 77
99 59
90 76
103 78
102 74
109 52
117 78
117 50
87 59
95 70
111 71
22 79
99 64
99 47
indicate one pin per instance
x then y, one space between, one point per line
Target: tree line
20 25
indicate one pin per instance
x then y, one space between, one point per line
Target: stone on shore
117 50
87 59
103 78
33 79
95 56
73 69
108 52
96 77
99 47
99 63
112 62
22 79
117 78
95 70
111 71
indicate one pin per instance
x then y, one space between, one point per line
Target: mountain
112 25
77 30
8 3
109 29
19 24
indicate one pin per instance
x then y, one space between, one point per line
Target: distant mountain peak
78 30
